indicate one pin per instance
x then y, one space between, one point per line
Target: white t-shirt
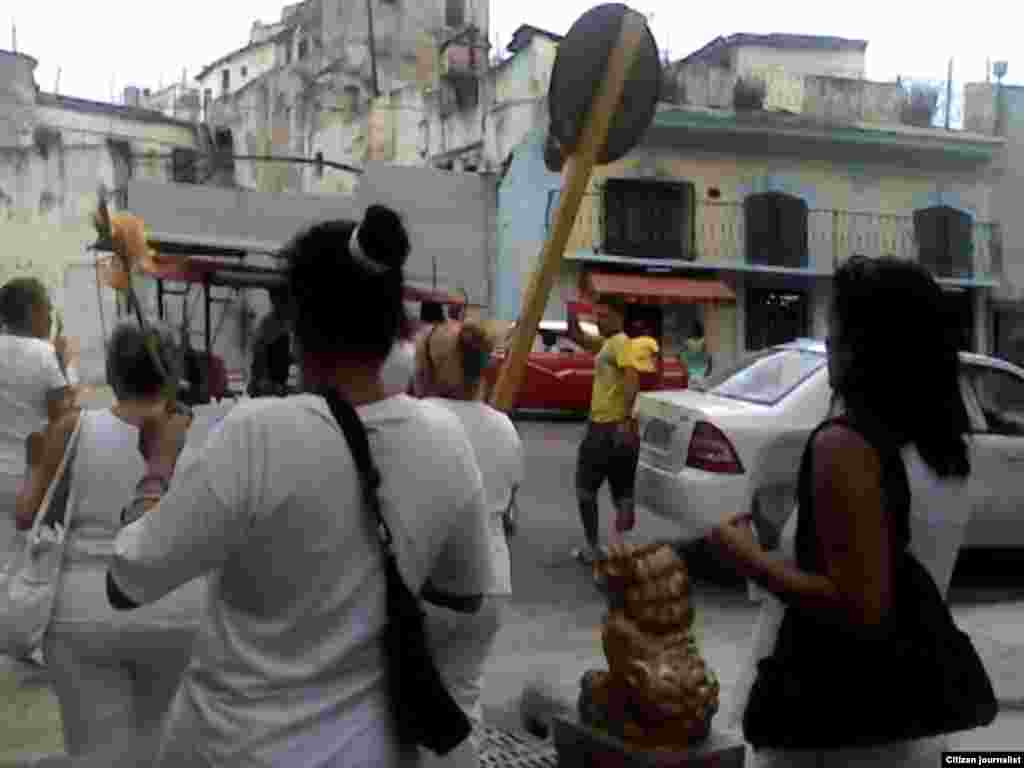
499 454
398 369
29 372
287 668
462 642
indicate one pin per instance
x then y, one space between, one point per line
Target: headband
359 255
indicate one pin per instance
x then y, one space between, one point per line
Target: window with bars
945 239
649 219
776 227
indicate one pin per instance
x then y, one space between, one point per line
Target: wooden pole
576 178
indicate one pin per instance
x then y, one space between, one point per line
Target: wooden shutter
776 226
648 219
960 240
931 239
762 226
792 228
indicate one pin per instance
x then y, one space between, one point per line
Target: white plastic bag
29 578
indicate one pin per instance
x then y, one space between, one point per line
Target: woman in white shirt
450 361
33 388
114 673
288 668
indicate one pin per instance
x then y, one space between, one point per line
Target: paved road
551 629
551 632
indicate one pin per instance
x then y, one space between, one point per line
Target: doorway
775 316
960 311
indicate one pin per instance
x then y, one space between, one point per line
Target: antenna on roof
14 37
56 86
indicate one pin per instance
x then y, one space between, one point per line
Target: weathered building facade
313 85
768 199
54 153
995 109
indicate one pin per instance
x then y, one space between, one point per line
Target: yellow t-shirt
608 401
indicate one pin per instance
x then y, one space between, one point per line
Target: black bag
915 676
424 709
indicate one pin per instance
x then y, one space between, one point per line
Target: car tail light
711 451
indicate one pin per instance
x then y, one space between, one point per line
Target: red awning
414 293
661 289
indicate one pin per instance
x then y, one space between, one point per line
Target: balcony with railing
799 239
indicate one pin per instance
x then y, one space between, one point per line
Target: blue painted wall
522 226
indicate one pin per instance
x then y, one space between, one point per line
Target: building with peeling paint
312 85
998 110
54 153
768 199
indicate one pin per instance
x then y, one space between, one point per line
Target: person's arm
853 534
187 528
467 569
31 494
590 343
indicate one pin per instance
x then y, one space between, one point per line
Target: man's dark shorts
605 454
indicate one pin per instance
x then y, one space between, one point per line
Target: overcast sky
103 45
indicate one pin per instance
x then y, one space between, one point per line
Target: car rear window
766 377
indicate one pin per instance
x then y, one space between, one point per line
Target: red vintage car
560 374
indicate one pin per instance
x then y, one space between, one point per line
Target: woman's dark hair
131 371
431 312
18 298
698 329
900 367
349 305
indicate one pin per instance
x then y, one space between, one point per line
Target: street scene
453 383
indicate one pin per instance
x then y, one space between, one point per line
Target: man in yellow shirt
610 448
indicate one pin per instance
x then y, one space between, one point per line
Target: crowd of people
225 605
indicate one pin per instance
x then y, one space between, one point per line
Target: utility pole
949 93
56 87
373 49
14 37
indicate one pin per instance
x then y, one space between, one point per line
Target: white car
734 442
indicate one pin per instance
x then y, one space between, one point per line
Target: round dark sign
578 72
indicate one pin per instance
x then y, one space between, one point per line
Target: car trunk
667 421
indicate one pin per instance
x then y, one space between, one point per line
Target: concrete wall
525 197
450 219
52 161
176 101
834 98
984 113
256 61
800 62
405 33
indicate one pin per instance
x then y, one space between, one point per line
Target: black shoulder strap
359 444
